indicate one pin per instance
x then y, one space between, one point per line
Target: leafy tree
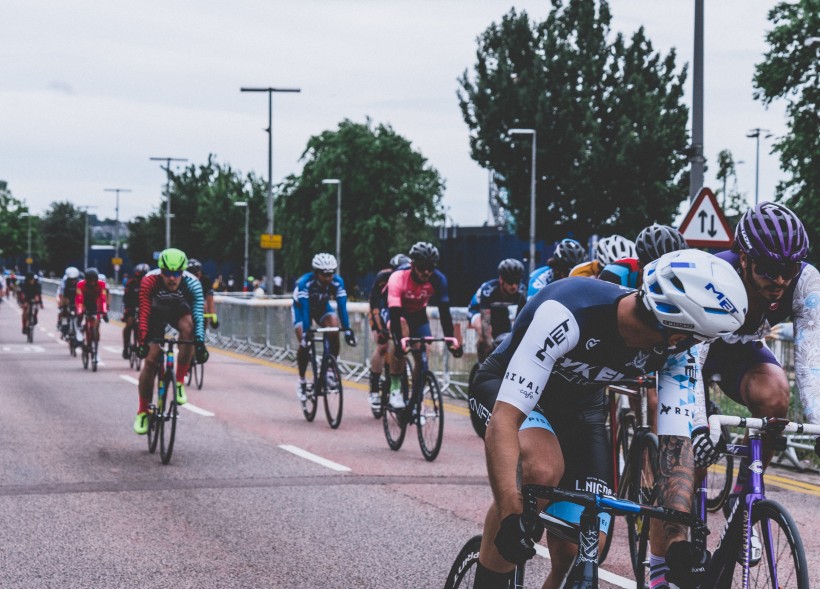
790 71
391 198
609 119
732 201
13 225
206 223
63 231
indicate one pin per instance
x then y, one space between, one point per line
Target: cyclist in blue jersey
311 302
540 396
494 296
568 254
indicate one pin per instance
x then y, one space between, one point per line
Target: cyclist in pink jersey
409 290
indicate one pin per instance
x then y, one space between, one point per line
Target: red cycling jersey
98 306
412 296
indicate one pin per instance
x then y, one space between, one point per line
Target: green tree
732 201
609 119
789 71
63 233
13 226
206 223
391 198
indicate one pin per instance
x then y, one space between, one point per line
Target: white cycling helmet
614 248
691 290
72 272
324 262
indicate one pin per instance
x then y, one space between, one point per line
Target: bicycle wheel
30 334
94 356
462 573
199 374
85 355
155 421
638 485
783 563
309 405
334 396
169 417
430 418
394 421
720 476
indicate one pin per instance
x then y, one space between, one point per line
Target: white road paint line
313 457
51 334
113 350
198 410
604 575
188 406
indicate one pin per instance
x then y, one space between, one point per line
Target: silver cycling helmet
324 263
72 272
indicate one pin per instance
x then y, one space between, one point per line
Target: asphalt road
247 500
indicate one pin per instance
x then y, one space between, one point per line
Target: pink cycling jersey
404 292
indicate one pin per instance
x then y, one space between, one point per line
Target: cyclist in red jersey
90 301
409 290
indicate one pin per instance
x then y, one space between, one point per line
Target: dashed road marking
314 458
131 379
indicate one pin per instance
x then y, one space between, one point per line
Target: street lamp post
338 184
270 266
755 134
532 193
28 255
167 168
117 230
247 208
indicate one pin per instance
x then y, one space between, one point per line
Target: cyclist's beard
768 291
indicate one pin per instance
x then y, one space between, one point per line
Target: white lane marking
113 350
188 406
198 410
313 457
605 575
51 334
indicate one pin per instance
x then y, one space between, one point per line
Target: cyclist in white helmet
607 251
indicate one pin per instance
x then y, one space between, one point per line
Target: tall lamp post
28 255
755 134
338 184
168 215
247 208
532 193
270 267
117 230
85 235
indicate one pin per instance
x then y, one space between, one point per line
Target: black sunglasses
424 266
172 273
771 270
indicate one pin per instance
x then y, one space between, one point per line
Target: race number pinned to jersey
705 225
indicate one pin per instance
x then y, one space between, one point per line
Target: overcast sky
90 90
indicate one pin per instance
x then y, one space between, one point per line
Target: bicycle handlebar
170 340
406 341
767 424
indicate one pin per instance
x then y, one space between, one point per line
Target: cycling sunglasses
172 273
771 270
327 272
424 266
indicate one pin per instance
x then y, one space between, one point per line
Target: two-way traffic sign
705 225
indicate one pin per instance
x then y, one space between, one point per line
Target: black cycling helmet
654 241
511 271
424 252
194 266
91 275
570 253
141 270
398 260
29 276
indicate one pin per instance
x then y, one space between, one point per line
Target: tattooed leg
676 488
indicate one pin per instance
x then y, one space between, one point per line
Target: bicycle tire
85 356
30 334
430 425
334 398
94 357
155 416
792 568
394 422
199 374
638 485
167 433
309 405
462 573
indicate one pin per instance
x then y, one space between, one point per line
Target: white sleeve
680 392
552 333
806 316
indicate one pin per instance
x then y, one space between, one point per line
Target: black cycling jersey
491 294
30 290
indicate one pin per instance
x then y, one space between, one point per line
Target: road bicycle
324 379
584 571
196 374
134 359
423 405
91 341
70 333
32 321
760 545
163 415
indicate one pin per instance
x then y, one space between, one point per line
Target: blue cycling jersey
311 300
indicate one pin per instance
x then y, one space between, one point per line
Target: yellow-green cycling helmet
173 260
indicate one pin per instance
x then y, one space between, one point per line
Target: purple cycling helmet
771 231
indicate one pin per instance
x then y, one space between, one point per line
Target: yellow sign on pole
116 261
269 241
31 260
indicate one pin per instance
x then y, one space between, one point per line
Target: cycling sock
657 572
143 408
374 381
395 383
487 579
182 371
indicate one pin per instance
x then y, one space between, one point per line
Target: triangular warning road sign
705 225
